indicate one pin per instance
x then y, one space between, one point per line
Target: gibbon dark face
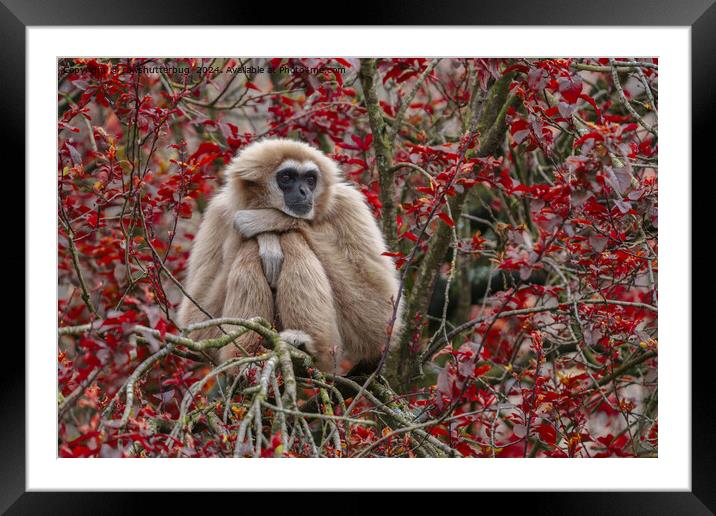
297 181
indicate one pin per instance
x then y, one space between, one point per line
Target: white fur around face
303 166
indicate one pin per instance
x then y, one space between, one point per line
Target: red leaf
516 67
409 236
589 136
480 370
547 433
593 104
205 148
93 219
446 218
570 88
162 327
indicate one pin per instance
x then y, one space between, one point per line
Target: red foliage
564 220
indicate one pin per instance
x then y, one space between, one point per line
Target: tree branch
383 147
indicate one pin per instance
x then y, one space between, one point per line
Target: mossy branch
383 148
490 126
253 399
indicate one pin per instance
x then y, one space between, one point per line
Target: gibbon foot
298 339
325 361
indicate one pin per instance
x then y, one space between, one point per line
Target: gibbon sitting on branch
288 240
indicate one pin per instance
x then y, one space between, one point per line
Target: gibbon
287 239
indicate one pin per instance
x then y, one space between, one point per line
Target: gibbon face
297 182
287 175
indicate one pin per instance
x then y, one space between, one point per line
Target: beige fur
334 285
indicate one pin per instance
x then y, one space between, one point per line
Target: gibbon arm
350 225
305 302
250 223
365 283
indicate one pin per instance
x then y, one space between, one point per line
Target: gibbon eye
311 181
284 178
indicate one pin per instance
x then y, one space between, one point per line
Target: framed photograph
368 257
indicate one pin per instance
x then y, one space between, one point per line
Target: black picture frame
700 15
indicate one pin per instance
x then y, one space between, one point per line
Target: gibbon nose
303 191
